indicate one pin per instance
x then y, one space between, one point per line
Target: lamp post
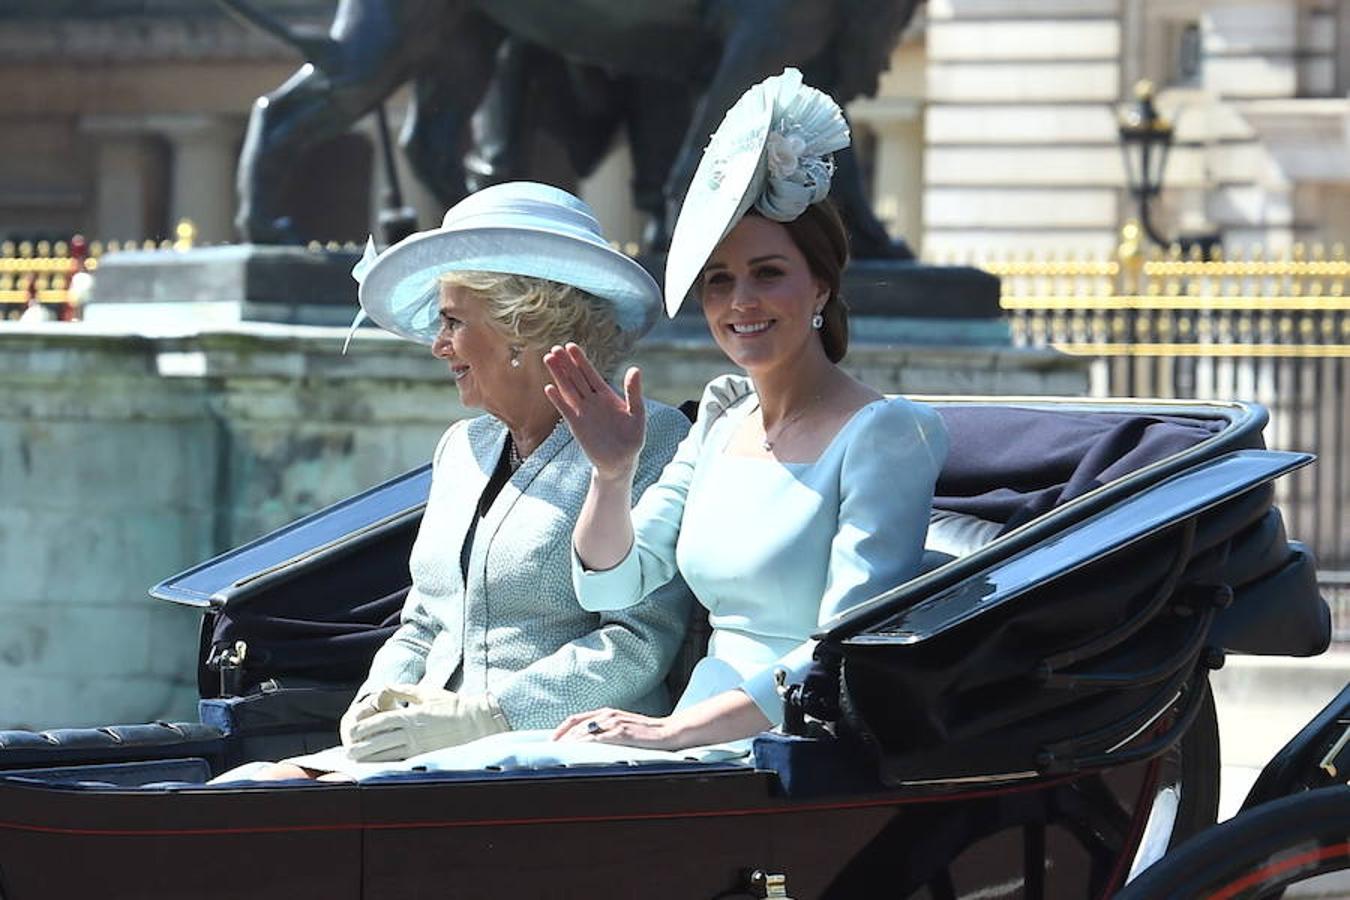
1145 139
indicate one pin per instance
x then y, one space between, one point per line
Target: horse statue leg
544 117
375 46
867 237
751 52
500 127
759 38
654 113
301 114
658 113
471 75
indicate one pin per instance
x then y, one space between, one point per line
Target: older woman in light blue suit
505 624
492 638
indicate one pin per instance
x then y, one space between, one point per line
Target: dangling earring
817 321
515 357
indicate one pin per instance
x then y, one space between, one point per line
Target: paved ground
1262 702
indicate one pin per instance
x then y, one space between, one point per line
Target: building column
204 153
897 173
1251 55
1019 125
1342 48
609 192
125 167
154 170
126 178
894 119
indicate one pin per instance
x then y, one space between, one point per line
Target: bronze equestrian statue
665 71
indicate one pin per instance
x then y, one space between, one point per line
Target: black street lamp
1145 139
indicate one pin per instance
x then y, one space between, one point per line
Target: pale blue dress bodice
775 549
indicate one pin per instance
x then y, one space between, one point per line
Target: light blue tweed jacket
515 629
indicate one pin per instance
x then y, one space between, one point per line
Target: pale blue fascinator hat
517 228
772 152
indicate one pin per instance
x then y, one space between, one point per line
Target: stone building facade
121 117
994 128
1020 140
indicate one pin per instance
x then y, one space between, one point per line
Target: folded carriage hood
910 614
1049 468
333 530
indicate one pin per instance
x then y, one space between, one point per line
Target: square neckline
754 397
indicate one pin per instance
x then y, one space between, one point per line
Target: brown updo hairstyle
820 235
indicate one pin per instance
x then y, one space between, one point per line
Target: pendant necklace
783 426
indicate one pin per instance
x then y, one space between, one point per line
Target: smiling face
759 296
478 352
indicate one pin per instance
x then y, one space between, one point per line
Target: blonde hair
539 313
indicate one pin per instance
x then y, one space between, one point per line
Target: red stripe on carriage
1232 889
548 820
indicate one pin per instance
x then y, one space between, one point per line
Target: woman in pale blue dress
800 492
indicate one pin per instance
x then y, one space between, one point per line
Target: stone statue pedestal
890 301
214 286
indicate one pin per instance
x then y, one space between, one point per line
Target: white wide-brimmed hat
771 152
517 228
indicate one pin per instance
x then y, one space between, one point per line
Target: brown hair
820 235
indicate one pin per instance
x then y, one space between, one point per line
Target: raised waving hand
609 427
611 430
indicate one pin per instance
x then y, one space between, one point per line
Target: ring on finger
593 727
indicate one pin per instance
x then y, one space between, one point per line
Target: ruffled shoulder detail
721 394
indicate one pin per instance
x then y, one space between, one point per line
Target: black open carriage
1029 717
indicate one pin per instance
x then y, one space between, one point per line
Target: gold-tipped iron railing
40 272
43 272
1270 327
1167 304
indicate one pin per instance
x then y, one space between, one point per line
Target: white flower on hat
782 153
806 126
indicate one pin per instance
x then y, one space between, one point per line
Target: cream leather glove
363 707
416 719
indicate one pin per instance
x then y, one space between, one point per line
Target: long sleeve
650 562
625 658
402 658
628 653
886 485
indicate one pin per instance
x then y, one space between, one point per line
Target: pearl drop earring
515 357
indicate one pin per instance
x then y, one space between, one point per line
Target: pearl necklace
513 458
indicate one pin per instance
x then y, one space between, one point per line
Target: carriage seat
176 771
952 535
109 745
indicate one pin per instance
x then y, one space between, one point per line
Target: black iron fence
1274 328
